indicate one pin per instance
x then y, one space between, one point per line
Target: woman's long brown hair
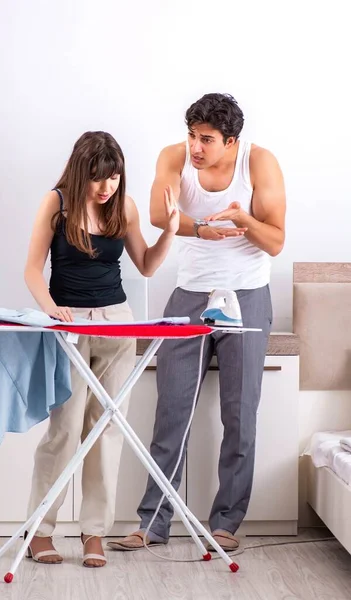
96 156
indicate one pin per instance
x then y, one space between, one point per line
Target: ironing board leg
111 412
172 496
20 554
106 401
169 491
36 518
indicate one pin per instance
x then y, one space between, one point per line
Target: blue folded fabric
34 378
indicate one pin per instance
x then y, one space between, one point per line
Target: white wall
133 68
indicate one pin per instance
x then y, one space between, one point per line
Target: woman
86 221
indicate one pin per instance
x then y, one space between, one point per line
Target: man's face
207 146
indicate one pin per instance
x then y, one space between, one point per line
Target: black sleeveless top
80 281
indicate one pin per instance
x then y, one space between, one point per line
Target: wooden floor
306 571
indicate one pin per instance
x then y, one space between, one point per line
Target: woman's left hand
172 211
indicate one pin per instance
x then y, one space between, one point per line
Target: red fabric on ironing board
136 331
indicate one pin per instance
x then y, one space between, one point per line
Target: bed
329 483
321 319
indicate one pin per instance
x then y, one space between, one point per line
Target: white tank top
232 263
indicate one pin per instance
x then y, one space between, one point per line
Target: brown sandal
128 544
226 540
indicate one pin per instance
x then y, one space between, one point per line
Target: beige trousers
112 360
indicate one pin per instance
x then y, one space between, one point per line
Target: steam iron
223 310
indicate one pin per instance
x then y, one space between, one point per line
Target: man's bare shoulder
173 156
261 158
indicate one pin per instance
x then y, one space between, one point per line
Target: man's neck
227 161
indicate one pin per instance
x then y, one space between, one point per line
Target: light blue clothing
27 316
35 370
37 318
34 378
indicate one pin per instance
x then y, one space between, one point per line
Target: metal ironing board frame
111 412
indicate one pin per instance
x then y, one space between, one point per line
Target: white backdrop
133 68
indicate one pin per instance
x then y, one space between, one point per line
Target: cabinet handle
214 368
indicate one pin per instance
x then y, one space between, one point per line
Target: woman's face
100 192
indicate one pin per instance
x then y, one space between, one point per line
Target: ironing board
65 335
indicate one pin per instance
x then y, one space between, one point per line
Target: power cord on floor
242 550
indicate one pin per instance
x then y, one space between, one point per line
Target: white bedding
327 449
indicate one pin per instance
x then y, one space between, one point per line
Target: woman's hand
172 211
60 313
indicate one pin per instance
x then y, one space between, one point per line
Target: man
232 202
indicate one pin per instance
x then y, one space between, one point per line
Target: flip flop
226 540
130 544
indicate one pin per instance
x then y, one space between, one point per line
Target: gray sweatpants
241 361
